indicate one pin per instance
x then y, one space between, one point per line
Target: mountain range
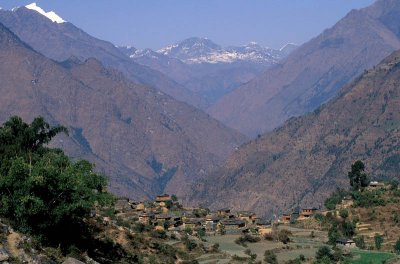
206 68
313 73
144 140
61 41
302 162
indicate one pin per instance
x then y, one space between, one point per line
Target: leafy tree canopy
41 190
358 178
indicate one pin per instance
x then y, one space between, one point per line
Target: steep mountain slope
208 69
146 141
300 163
60 41
314 72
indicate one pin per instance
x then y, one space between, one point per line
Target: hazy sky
156 23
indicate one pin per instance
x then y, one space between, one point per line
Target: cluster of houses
165 213
298 215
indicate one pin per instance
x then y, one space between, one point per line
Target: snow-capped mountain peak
202 50
50 15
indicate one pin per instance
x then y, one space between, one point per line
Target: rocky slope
60 41
146 141
300 163
315 72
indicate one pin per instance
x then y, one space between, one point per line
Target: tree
344 213
270 257
41 190
378 241
283 236
360 242
174 198
397 247
358 178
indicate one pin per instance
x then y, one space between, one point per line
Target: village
166 214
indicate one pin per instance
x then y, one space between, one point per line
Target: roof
245 213
263 222
233 222
163 195
163 216
224 210
146 215
344 240
192 221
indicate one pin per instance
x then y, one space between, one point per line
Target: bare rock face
302 162
315 72
146 141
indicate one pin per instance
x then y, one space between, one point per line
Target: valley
188 151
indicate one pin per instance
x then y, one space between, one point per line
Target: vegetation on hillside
60 207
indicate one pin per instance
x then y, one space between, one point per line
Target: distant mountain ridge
60 41
208 69
202 50
302 162
313 73
144 140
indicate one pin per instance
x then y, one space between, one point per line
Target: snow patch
287 46
50 15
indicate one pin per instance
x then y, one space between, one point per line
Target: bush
344 213
378 241
283 236
397 247
368 199
270 257
323 253
215 247
360 242
246 238
335 199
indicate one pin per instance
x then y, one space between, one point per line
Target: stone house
346 242
232 226
224 212
247 216
306 213
146 218
191 224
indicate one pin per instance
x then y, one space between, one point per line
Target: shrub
215 247
283 236
360 242
335 199
344 213
270 257
378 241
324 252
397 247
246 238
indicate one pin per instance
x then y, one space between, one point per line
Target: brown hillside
313 73
300 163
146 141
62 41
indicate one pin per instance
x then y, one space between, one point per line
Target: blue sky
156 23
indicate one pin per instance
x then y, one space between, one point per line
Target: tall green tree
358 178
41 190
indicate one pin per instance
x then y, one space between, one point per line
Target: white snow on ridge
50 15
